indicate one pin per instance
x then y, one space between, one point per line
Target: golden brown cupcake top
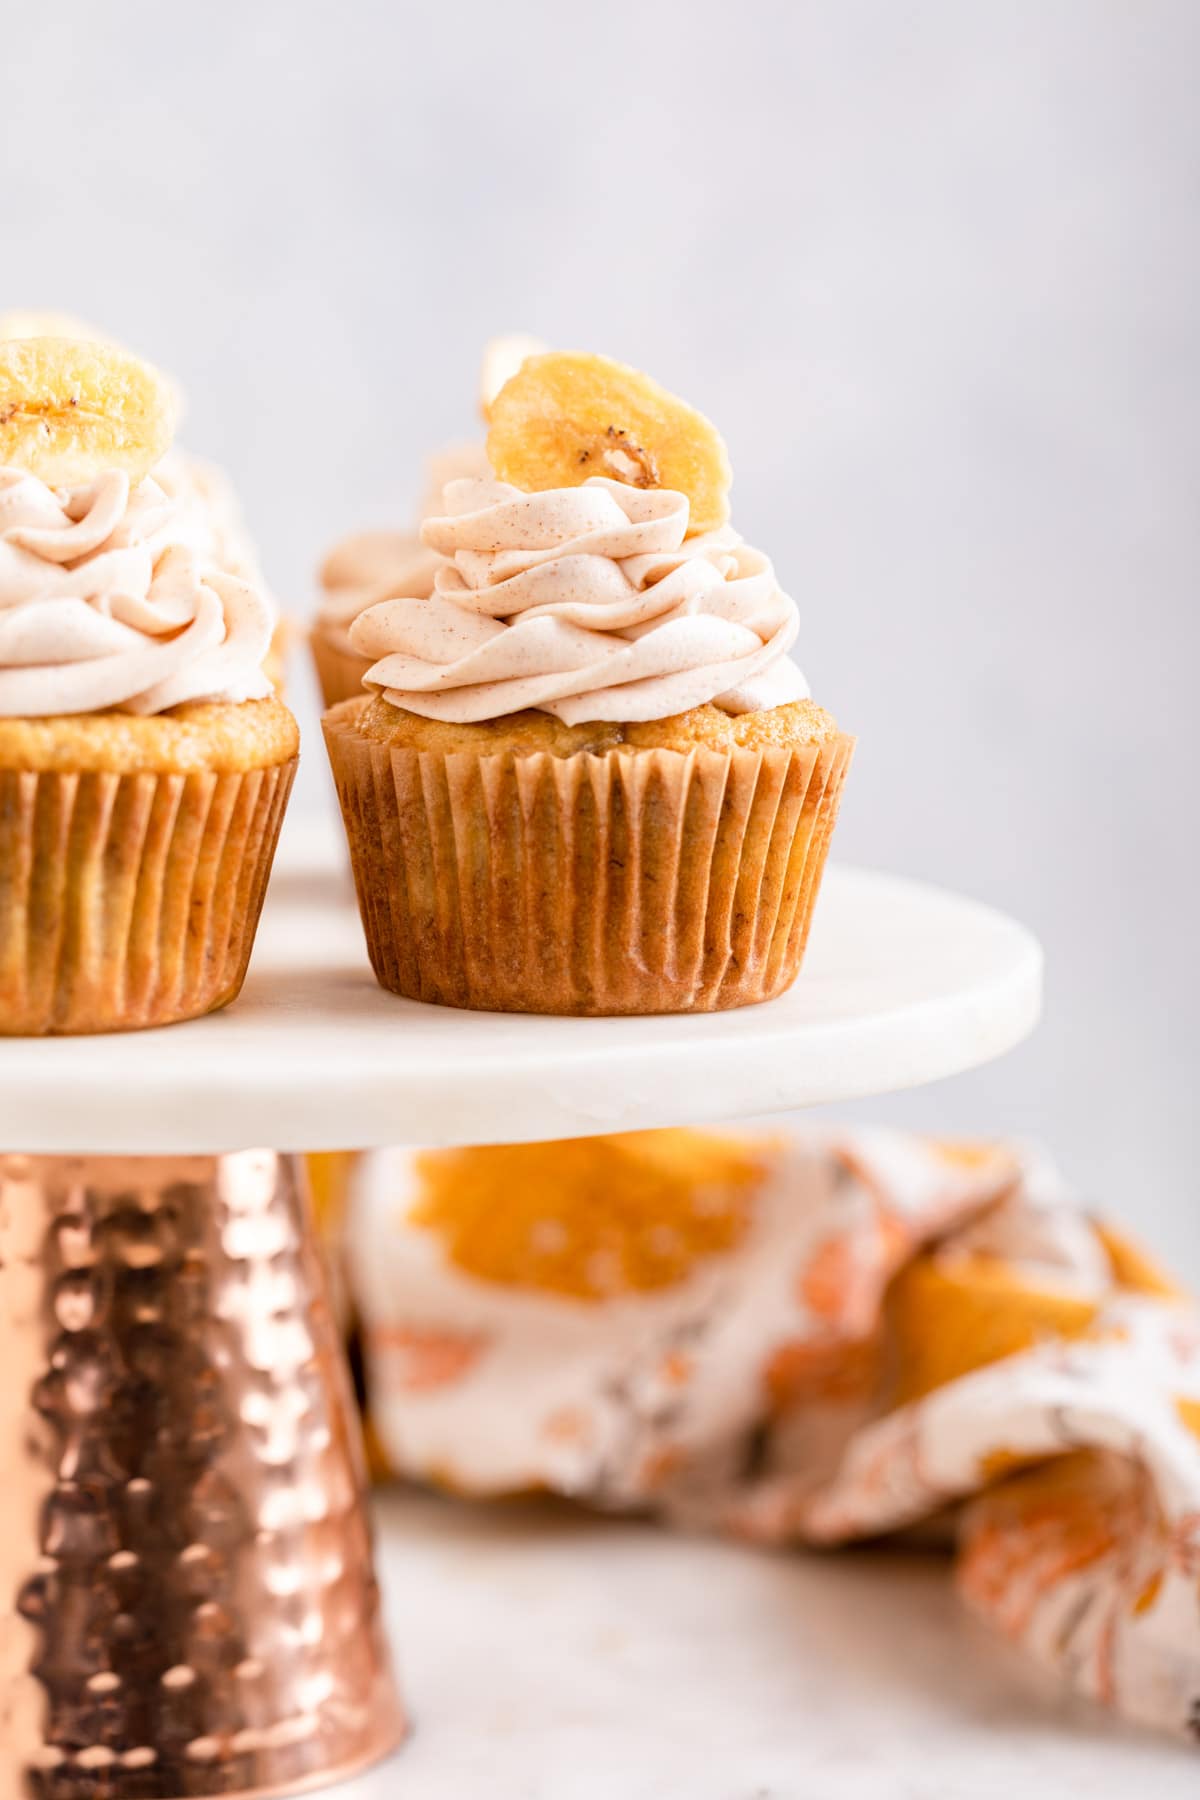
207 736
800 723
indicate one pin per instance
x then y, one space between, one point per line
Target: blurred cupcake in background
145 761
205 488
363 568
369 566
587 776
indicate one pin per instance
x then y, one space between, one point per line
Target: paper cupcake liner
640 881
339 672
130 900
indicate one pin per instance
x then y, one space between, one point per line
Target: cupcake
364 568
370 566
586 776
144 760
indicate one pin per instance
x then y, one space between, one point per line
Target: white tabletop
549 1655
902 984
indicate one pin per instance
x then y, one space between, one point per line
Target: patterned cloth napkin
819 1338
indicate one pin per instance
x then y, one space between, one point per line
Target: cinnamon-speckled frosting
111 597
588 602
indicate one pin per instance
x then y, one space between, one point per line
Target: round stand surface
902 984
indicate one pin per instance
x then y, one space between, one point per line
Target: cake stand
902 984
187 1602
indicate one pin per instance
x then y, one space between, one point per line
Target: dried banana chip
71 408
568 415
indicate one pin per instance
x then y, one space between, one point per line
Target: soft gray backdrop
933 268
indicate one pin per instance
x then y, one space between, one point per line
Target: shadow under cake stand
187 1597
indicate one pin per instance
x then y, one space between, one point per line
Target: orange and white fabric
817 1338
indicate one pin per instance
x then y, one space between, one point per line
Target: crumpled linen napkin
814 1338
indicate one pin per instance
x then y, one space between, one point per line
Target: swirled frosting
111 597
586 602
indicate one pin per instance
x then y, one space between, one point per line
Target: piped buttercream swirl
588 602
110 597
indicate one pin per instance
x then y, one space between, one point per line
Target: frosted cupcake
370 566
587 776
144 760
200 487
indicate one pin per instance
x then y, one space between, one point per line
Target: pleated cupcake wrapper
630 882
130 900
339 672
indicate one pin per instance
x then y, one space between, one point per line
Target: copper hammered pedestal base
188 1602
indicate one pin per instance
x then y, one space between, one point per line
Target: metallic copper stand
187 1599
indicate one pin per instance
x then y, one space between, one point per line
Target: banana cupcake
587 776
144 760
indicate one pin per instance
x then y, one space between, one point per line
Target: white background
932 267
